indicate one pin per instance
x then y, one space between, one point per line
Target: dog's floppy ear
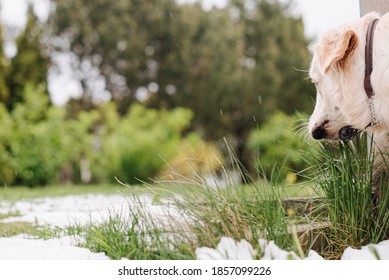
338 50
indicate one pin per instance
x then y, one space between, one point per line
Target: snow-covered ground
95 208
78 209
71 210
24 247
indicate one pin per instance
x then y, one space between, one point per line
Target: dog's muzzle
347 133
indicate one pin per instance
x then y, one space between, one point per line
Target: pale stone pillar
380 6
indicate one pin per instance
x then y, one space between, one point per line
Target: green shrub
194 157
143 141
276 145
37 143
7 173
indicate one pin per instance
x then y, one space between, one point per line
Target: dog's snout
320 131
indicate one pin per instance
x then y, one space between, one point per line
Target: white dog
338 71
352 84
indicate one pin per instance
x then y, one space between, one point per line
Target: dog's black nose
347 133
320 132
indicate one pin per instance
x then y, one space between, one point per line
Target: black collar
368 69
369 57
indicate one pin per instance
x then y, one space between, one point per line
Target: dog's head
337 70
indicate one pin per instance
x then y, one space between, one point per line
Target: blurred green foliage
233 67
4 91
278 147
143 141
40 145
181 81
35 140
29 66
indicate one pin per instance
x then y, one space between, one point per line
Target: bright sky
318 16
13 11
321 15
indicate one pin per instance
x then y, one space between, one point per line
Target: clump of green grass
15 228
246 213
9 214
345 172
203 221
208 211
249 211
137 237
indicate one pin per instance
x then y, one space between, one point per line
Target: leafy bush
194 158
275 145
39 144
143 141
35 143
7 173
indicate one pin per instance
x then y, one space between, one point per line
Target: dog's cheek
357 114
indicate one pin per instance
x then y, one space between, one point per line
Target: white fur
341 97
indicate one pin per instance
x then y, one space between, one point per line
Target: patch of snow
84 209
370 252
312 255
80 210
227 249
22 248
272 252
63 211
